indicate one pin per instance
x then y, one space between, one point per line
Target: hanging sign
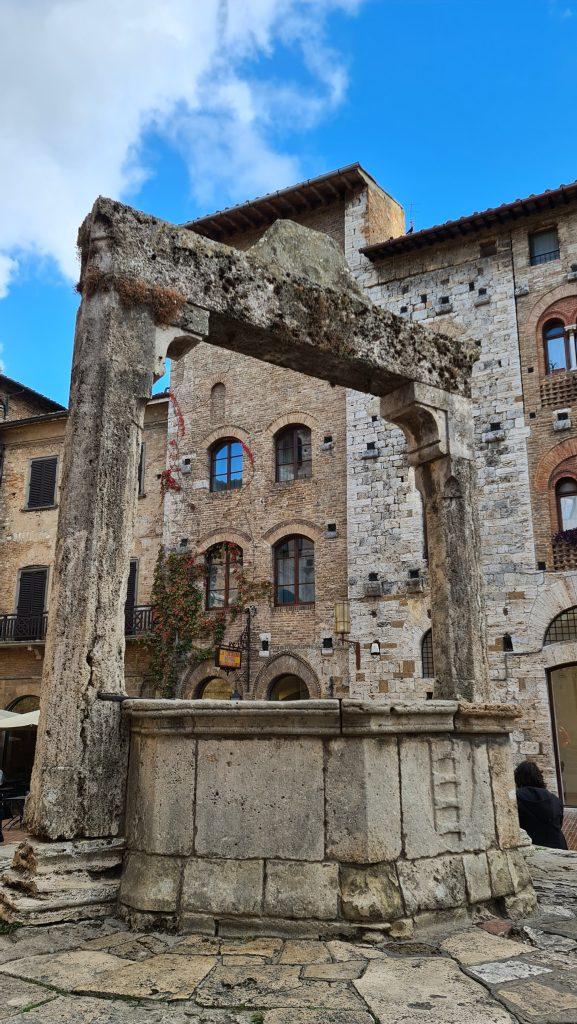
228 658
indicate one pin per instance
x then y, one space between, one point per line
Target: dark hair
529 774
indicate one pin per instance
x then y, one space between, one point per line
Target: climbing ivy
182 630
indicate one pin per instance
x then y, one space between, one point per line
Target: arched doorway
563 697
18 745
288 687
215 688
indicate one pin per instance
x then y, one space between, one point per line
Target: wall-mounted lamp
343 628
375 649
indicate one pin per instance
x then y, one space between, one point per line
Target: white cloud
82 79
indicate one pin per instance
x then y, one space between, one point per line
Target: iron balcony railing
138 621
22 628
544 257
15 628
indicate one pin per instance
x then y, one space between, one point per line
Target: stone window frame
228 545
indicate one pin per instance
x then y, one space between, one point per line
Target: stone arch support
290 665
293 418
555 597
303 527
239 537
196 674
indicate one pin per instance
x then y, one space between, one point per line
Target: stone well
318 817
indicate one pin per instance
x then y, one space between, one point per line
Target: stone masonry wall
28 537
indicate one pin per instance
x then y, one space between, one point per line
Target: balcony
23 629
138 621
26 629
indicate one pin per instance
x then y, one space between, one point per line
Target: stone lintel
262 309
368 717
486 718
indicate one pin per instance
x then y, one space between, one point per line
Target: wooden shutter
141 472
32 592
131 590
42 486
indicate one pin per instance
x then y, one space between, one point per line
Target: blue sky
452 105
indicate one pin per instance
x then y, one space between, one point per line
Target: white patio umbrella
12 720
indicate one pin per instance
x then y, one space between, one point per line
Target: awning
11 720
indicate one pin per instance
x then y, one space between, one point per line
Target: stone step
43 858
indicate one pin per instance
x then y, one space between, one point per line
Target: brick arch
551 461
563 298
285 664
302 527
293 419
234 536
556 596
197 674
224 431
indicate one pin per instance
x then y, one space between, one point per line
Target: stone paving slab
103 973
69 970
165 977
17 996
418 989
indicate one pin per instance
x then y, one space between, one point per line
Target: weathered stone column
80 766
439 431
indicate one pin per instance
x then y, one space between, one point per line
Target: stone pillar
80 766
439 431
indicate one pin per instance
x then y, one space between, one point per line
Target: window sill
294 607
38 508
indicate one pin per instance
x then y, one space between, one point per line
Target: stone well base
319 817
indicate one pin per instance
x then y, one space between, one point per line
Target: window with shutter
29 623
130 598
141 465
42 482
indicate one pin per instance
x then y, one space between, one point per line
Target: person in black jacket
540 812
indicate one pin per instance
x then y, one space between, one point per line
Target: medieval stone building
278 471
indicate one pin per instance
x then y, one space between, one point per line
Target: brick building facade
508 279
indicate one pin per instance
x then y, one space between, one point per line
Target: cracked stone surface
103 973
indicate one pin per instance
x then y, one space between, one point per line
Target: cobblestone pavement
102 973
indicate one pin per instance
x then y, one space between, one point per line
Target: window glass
555 349
427 655
544 246
226 466
293 454
562 628
295 571
221 582
567 503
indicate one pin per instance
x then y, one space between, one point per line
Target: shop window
215 688
293 450
221 582
288 687
226 460
294 563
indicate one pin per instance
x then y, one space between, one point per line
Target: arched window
294 571
221 582
428 665
566 495
557 356
215 688
288 688
562 628
226 465
217 403
22 705
293 453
